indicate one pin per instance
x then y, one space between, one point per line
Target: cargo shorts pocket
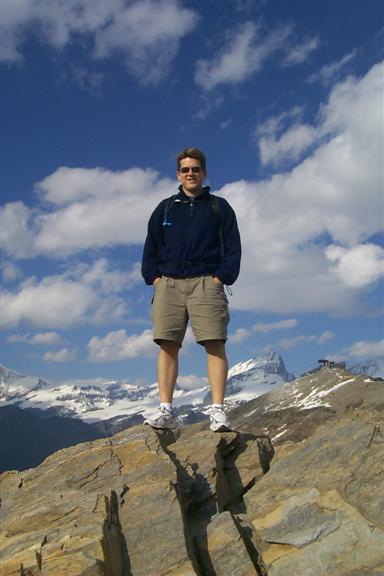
210 284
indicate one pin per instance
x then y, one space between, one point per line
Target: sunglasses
193 169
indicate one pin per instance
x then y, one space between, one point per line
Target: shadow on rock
230 484
198 505
116 558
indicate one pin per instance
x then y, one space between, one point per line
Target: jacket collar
203 196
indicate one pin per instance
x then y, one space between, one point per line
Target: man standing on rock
191 251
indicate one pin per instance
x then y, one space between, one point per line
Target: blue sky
98 97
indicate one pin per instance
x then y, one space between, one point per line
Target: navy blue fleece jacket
189 244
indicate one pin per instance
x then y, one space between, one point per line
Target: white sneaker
162 419
219 421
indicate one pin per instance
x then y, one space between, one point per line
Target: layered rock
298 491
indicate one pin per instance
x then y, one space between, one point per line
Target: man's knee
169 347
216 347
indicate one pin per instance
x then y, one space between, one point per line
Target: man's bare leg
167 369
217 369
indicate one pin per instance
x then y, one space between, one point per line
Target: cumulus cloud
16 232
118 345
240 336
340 116
366 349
288 343
334 196
289 146
42 338
191 382
243 334
79 295
284 137
304 231
272 326
10 271
358 351
87 208
53 302
358 266
243 54
63 355
147 37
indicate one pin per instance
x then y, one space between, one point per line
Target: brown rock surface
298 492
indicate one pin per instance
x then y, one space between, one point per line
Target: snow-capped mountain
14 386
77 399
257 374
254 377
373 368
101 400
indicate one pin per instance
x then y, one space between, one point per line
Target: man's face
191 176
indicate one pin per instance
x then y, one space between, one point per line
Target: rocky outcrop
298 491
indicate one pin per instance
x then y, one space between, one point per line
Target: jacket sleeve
229 268
152 246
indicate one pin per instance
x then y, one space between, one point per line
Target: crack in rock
198 512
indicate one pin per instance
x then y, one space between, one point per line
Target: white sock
218 406
166 405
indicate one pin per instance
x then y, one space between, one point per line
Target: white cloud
53 302
146 36
80 295
288 343
16 232
63 355
88 208
191 382
359 266
14 15
10 271
243 334
366 349
362 350
334 197
16 338
330 72
300 52
273 326
243 54
289 146
245 51
42 338
240 336
324 337
118 345
285 137
344 115
110 281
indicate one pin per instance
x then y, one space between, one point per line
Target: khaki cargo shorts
200 300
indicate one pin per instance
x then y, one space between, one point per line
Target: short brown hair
195 153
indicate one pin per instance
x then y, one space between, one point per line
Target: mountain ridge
92 402
296 490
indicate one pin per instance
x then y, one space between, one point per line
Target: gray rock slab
226 549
